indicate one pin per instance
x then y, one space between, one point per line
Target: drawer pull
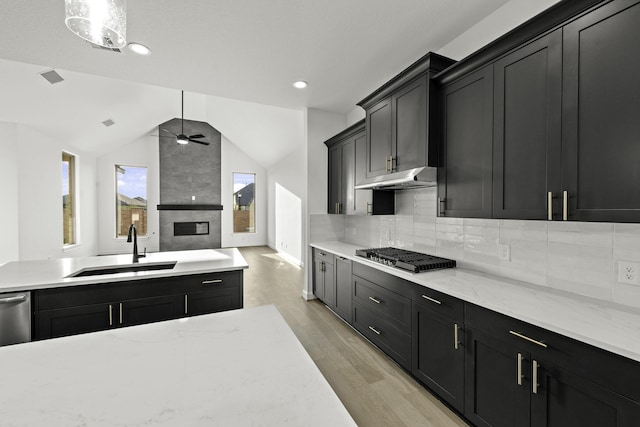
524 337
534 379
375 331
377 301
519 369
431 299
210 282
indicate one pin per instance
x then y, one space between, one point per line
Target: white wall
493 26
355 115
142 152
40 197
288 232
320 126
235 160
10 246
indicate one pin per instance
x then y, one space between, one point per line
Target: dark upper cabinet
601 114
566 97
527 131
347 166
464 175
397 119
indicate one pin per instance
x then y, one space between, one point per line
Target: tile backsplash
580 257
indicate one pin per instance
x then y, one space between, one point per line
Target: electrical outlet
628 272
504 252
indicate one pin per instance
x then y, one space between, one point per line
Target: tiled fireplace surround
580 257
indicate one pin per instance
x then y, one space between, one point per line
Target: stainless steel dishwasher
15 318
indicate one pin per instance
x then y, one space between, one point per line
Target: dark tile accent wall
187 171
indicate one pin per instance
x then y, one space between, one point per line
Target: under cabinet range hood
422 177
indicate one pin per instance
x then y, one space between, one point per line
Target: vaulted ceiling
249 50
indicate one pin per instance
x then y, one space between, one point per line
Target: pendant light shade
102 22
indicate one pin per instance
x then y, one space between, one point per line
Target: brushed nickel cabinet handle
550 206
120 317
375 331
524 337
186 304
210 282
456 342
391 167
376 300
369 205
110 315
565 205
442 206
534 379
386 165
431 299
519 369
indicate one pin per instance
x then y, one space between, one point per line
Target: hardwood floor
375 390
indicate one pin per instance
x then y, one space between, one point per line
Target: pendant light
102 22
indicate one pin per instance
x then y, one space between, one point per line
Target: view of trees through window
244 203
68 199
131 199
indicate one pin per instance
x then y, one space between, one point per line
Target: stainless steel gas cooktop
414 262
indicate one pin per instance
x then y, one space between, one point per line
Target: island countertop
235 368
40 274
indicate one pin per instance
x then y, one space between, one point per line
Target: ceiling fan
181 138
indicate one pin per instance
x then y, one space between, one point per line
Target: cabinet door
563 399
362 199
378 138
464 178
526 147
344 293
318 279
75 320
328 276
409 145
601 125
148 310
438 354
335 179
493 397
212 301
347 183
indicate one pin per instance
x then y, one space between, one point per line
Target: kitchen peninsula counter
603 324
236 368
51 273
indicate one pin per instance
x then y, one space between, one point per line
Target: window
69 223
131 199
244 203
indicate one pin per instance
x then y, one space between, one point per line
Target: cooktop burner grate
415 262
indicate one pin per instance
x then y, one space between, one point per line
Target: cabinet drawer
384 334
204 282
320 255
441 303
383 302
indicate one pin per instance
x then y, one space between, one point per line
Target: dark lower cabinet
89 308
344 293
324 285
438 352
521 375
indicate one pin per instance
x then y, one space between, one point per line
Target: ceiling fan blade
198 142
197 136
167 130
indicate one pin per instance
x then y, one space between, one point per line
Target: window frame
116 205
72 176
255 197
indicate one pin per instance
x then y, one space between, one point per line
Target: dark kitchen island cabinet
519 375
72 310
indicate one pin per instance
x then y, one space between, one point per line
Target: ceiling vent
110 49
108 122
52 77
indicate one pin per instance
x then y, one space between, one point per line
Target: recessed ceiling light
138 48
300 84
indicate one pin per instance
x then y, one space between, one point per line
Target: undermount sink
115 269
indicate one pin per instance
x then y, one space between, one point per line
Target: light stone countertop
235 368
609 326
40 274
